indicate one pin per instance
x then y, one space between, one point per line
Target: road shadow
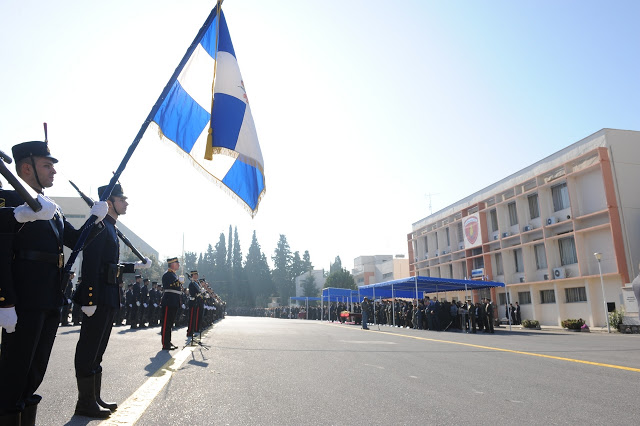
157 361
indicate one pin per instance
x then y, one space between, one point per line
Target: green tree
221 274
309 288
335 266
190 261
340 279
282 259
258 274
306 261
297 266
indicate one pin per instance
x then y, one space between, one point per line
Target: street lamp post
604 300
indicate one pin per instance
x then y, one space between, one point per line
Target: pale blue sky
362 107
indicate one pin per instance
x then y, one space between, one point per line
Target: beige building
380 268
538 229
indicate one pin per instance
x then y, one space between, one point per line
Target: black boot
112 406
30 409
87 405
12 419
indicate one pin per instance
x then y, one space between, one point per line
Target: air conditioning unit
568 217
551 220
444 252
461 246
495 237
505 234
559 273
528 228
436 253
521 279
426 255
546 277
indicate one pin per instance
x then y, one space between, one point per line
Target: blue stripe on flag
208 41
226 120
224 43
180 118
246 181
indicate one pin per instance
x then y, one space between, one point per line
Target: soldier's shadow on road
198 354
157 361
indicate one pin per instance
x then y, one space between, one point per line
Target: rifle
21 190
124 239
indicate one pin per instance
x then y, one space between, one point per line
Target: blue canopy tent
412 287
306 299
332 294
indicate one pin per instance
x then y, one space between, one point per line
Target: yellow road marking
579 361
132 409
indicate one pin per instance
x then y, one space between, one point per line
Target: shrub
530 323
615 318
573 324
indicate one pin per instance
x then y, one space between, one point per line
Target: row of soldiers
140 305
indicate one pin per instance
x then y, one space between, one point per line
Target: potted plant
533 324
573 324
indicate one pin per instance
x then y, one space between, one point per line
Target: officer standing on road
31 284
135 309
194 307
99 296
365 313
170 301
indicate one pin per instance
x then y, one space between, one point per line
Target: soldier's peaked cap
29 149
172 260
117 191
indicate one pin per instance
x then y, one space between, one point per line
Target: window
448 240
450 271
484 293
460 233
494 220
524 297
575 294
387 275
478 263
534 210
436 240
568 254
513 213
560 196
517 257
547 296
499 268
541 256
503 298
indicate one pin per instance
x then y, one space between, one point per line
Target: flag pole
88 225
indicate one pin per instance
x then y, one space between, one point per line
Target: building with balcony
380 268
538 229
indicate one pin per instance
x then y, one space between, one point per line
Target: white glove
181 279
183 307
137 303
69 301
155 305
8 319
99 209
145 305
142 265
130 305
24 213
89 310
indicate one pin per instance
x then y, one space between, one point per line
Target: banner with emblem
204 112
472 230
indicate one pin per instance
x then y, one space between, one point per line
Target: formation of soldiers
428 314
140 306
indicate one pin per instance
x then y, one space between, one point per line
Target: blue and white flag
210 120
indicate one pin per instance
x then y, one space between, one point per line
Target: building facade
538 231
318 278
380 268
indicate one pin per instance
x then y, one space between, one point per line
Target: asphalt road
264 371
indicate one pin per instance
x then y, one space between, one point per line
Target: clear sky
363 108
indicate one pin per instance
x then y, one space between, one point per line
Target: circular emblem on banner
471 229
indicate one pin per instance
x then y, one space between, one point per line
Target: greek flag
204 111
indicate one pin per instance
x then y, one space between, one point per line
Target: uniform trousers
25 356
194 320
168 318
94 337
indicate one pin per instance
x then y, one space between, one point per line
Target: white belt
173 291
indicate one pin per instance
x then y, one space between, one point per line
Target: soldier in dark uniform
488 307
135 309
99 295
170 301
76 313
194 307
129 302
143 310
121 315
31 294
66 308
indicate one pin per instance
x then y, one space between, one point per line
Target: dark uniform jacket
33 279
172 289
194 293
101 273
